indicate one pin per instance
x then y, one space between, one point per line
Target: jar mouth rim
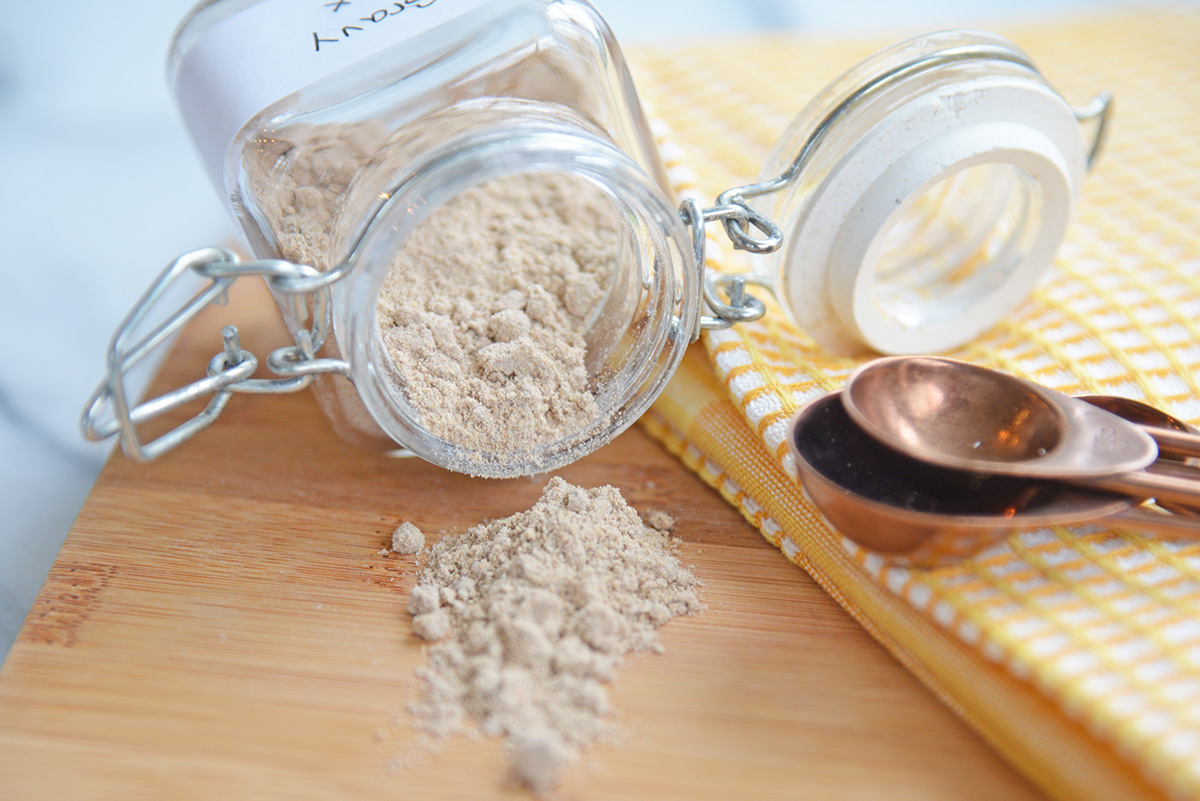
470 160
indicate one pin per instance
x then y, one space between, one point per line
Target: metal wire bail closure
111 410
921 195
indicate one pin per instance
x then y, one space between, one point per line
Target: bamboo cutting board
221 624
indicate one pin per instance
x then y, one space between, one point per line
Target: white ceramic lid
933 209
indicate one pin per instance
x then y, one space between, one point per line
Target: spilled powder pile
532 614
484 311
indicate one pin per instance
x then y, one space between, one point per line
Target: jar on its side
349 164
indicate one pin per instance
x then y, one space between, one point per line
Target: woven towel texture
1076 652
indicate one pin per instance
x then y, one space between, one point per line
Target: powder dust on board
530 616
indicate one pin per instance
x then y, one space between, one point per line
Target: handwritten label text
334 36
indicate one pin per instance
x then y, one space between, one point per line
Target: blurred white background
101 189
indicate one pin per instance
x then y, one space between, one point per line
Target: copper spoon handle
1179 486
1174 443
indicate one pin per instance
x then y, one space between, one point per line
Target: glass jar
440 184
340 173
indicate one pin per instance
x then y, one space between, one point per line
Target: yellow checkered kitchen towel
1075 652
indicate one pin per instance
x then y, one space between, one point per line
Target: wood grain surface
221 624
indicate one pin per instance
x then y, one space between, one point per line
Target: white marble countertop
101 189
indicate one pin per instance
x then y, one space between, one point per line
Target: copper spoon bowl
968 417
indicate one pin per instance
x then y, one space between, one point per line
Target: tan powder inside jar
531 616
484 312
485 309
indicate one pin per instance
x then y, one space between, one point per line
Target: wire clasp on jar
230 371
738 217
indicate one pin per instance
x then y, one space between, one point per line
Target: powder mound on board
532 614
484 311
407 539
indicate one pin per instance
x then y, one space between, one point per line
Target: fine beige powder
531 615
484 311
302 177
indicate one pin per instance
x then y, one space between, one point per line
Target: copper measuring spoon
964 416
922 514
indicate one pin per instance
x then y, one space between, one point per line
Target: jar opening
955 242
513 307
